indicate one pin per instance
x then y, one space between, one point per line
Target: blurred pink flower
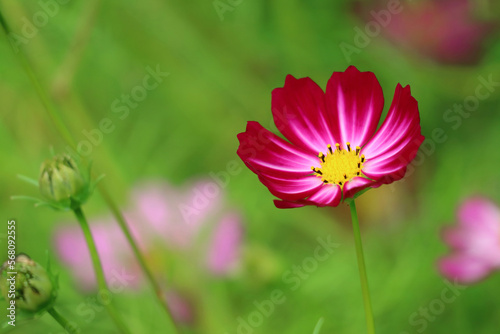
224 249
475 242
443 30
177 219
114 251
180 307
176 216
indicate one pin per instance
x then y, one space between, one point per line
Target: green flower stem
54 116
63 322
101 281
172 327
362 270
66 135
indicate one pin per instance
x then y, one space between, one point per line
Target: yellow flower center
338 165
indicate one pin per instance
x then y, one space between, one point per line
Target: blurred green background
223 65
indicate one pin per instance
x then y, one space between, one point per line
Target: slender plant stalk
54 116
158 290
362 270
66 135
63 322
101 280
317 328
69 65
463 323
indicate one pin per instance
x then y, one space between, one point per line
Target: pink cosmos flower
176 216
474 241
224 250
159 214
333 149
443 30
118 262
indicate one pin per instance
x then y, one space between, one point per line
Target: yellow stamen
339 166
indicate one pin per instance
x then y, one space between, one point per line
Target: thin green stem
317 328
158 290
54 116
66 135
68 327
462 315
101 280
362 270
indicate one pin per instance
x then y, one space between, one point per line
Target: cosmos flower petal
397 141
284 169
394 168
356 185
287 204
463 268
480 214
225 247
70 245
152 202
356 100
455 238
401 118
299 113
291 189
264 152
474 240
327 195
111 246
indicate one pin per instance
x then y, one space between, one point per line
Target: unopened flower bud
28 283
63 183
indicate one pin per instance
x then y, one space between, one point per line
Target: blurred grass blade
29 198
28 180
319 325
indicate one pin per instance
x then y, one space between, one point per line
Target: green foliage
96 59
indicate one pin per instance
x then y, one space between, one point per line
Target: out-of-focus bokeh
156 91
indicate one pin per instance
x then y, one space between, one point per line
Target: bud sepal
32 287
63 183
